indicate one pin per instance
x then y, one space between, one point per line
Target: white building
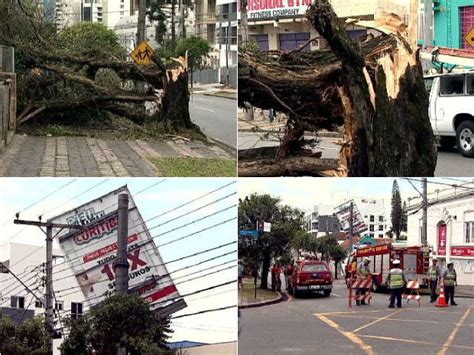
450 229
226 29
284 26
321 220
27 262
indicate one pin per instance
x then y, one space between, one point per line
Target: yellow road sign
470 37
142 54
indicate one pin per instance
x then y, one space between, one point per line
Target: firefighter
363 272
396 281
434 273
449 281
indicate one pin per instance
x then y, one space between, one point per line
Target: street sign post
143 54
470 37
249 233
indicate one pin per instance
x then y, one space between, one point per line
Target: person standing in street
396 281
276 280
449 282
434 273
240 271
363 273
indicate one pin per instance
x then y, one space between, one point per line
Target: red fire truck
413 260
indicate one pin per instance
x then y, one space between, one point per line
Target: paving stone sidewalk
82 156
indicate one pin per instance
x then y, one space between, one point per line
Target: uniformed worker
396 281
434 273
449 281
363 272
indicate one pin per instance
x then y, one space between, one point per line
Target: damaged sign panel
91 253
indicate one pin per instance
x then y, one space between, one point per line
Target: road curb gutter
281 297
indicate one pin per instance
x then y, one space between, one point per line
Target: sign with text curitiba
276 9
91 252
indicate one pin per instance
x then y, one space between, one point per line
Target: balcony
210 17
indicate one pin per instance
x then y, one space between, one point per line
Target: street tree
198 50
331 250
119 320
30 337
286 223
57 72
404 218
396 212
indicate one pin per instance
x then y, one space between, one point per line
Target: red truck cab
311 276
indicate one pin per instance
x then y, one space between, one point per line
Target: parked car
311 276
451 110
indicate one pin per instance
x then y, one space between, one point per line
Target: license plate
314 287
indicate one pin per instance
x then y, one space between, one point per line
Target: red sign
442 228
462 251
106 250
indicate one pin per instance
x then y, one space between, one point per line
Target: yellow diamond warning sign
142 54
470 37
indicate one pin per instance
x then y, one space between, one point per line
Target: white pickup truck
451 110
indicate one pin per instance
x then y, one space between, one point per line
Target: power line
205 311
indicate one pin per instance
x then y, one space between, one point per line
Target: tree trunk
375 89
265 267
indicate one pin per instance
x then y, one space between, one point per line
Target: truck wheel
465 138
447 142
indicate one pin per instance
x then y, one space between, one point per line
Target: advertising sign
442 229
462 251
92 251
275 9
343 214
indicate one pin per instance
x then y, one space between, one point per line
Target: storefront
453 21
450 232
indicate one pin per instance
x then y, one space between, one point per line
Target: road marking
205 109
349 335
351 312
335 294
399 320
453 333
377 321
411 341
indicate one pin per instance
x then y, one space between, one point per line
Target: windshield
314 268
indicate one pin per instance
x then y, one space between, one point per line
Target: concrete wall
447 23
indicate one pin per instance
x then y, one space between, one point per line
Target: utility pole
141 35
244 25
351 225
424 232
121 263
428 16
227 48
49 319
173 29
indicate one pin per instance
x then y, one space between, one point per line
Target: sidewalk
465 291
215 89
83 156
247 295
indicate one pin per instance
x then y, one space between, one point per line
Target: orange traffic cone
441 299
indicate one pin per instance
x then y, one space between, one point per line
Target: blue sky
18 194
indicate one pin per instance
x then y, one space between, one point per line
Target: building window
371 227
380 218
76 310
380 235
469 232
39 304
18 302
372 218
380 227
59 306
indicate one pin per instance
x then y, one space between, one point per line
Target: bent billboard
91 252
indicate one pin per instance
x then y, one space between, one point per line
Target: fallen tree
84 69
373 88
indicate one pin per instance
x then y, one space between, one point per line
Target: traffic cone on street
441 299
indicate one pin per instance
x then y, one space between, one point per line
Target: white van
451 110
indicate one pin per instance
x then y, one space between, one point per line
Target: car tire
465 138
327 293
447 143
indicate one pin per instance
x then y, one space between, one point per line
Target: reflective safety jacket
395 278
363 270
449 278
433 273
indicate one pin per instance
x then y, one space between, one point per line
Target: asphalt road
326 325
216 116
248 140
452 163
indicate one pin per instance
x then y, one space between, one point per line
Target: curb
226 146
222 97
276 300
320 134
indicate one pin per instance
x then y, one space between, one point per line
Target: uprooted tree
374 88
83 69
